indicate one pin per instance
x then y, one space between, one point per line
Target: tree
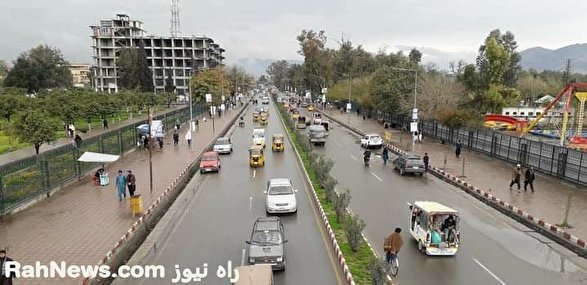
144 74
3 71
12 100
438 93
36 127
42 67
316 59
390 89
498 57
210 81
457 68
263 79
415 56
277 71
128 68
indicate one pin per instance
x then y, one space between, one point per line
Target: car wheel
201 171
421 174
401 171
421 247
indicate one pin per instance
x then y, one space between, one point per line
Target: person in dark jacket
458 149
5 279
175 138
426 160
516 173
385 155
529 177
131 183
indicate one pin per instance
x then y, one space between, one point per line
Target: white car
265 100
280 196
223 145
259 137
371 141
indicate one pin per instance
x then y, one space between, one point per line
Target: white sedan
371 141
280 196
223 145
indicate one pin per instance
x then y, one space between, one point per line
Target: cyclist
392 245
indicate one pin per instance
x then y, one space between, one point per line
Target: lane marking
353 157
243 257
378 178
254 172
250 203
489 271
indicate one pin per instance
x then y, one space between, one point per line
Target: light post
415 109
190 99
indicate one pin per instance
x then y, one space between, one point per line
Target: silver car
267 243
223 145
409 163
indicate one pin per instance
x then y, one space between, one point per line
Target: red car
210 162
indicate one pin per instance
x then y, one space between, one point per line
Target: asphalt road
494 250
220 218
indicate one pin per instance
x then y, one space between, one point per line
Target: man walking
121 185
5 279
426 160
458 148
529 177
516 173
131 182
175 138
105 123
188 138
385 155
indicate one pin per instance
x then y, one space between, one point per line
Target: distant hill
546 59
255 66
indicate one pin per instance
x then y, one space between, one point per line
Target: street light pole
349 104
190 99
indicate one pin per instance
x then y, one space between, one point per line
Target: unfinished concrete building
179 56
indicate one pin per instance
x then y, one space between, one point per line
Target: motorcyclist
366 156
241 122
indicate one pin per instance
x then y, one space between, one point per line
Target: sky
267 29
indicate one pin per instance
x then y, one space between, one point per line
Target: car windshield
266 237
280 190
209 157
258 134
255 151
374 138
222 141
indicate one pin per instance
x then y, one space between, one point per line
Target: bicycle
393 266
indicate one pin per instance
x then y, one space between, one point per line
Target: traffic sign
324 90
208 98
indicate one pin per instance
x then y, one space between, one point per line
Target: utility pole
349 104
150 150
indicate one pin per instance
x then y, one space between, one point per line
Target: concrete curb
552 231
333 242
149 213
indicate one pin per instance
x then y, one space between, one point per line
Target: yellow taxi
256 156
277 143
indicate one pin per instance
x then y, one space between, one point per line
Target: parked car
371 141
210 162
280 196
267 243
223 145
409 163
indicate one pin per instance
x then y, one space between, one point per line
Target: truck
317 134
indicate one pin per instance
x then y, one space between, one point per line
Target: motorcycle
366 160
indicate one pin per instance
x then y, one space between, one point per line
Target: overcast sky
267 29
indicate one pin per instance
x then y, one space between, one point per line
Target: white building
178 55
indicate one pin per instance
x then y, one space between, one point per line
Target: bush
329 187
340 205
353 228
378 272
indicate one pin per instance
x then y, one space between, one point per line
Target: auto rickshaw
256 157
311 108
277 143
263 119
256 116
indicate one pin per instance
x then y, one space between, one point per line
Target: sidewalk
30 151
82 222
492 175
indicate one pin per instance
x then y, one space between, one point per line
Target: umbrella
89 156
144 128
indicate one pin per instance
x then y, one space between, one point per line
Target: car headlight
280 259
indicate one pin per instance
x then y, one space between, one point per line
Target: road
221 216
494 250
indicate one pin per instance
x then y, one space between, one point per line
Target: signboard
415 114
348 107
157 128
222 98
323 98
413 127
213 110
208 98
222 107
324 90
308 94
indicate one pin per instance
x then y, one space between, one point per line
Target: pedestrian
363 117
420 136
358 111
160 140
188 138
426 159
177 124
529 177
71 130
131 183
5 278
146 141
385 155
458 148
516 173
197 124
121 185
105 123
78 141
175 138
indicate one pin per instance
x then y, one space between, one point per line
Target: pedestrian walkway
30 151
82 222
492 175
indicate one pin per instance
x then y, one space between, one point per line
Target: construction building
80 73
179 56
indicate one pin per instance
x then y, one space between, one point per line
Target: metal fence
24 180
560 162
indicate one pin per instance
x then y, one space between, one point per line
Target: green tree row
385 81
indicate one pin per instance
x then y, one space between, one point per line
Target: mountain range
540 58
537 58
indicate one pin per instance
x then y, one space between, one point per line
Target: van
259 274
317 134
